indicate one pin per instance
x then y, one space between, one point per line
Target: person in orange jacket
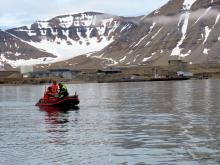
54 87
49 94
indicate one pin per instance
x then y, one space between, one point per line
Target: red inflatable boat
69 101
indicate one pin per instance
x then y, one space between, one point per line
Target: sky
15 13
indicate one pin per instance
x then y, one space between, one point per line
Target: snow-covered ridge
76 20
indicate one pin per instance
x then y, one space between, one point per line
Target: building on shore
175 68
53 73
38 74
179 68
109 71
184 74
177 65
62 73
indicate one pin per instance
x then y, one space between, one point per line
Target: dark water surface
122 123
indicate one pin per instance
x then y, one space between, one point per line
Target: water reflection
57 115
57 123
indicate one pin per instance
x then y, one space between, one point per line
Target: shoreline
105 81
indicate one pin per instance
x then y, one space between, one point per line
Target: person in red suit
54 87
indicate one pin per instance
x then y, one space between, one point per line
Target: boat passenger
63 92
49 94
54 87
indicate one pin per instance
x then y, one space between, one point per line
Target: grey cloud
202 13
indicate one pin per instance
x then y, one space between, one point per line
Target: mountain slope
16 52
191 33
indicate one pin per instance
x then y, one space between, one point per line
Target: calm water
123 123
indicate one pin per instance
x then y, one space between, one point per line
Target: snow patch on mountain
217 19
205 51
123 59
125 27
66 22
63 51
187 4
177 49
146 59
20 62
207 32
111 60
156 33
151 28
41 24
140 40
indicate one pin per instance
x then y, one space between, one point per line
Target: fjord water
121 123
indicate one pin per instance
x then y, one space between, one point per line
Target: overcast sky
14 13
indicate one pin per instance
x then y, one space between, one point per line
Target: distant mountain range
186 29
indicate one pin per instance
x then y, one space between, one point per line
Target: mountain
68 36
16 52
186 29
